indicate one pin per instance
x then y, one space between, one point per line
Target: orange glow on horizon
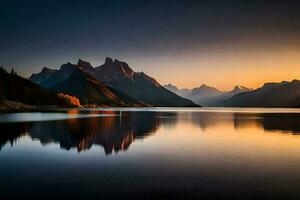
224 69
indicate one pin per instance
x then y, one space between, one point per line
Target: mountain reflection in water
116 132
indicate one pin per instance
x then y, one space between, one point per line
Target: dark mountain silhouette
113 83
86 66
14 88
138 85
78 80
284 94
206 95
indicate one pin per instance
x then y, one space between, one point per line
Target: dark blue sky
48 33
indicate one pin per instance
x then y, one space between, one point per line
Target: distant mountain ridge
207 95
283 94
113 83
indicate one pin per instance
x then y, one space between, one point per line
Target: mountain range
206 95
114 83
283 94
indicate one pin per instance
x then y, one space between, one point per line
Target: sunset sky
186 43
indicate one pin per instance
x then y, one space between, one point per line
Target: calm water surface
151 153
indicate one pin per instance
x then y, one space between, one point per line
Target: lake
154 153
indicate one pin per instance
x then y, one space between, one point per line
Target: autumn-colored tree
70 99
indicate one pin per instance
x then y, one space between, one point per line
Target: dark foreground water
151 154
